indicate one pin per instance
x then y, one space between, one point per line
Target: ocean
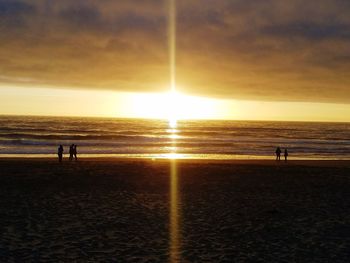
139 138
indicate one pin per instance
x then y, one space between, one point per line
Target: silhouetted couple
60 153
73 152
278 154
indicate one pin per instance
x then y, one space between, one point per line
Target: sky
273 55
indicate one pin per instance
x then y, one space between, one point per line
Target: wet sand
110 210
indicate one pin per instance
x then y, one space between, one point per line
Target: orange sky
232 50
74 102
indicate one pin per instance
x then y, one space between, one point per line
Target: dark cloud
247 49
10 7
82 16
309 31
13 14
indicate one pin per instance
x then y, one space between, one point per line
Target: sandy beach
112 210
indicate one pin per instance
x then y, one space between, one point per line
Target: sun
173 106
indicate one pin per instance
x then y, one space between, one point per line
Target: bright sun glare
173 106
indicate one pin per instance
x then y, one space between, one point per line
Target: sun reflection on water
172 122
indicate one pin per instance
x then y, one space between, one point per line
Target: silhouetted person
278 154
75 152
60 153
285 155
71 152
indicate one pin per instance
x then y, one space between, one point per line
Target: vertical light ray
174 217
174 213
172 44
172 58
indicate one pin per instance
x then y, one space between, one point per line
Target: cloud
309 31
8 7
240 49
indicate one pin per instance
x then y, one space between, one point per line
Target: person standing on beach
278 154
75 152
285 155
71 150
60 153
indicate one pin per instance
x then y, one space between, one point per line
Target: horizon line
167 120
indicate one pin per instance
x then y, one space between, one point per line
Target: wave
42 135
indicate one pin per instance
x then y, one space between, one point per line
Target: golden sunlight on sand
174 216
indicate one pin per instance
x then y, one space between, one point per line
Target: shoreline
253 162
174 156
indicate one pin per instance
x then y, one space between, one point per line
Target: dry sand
110 210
